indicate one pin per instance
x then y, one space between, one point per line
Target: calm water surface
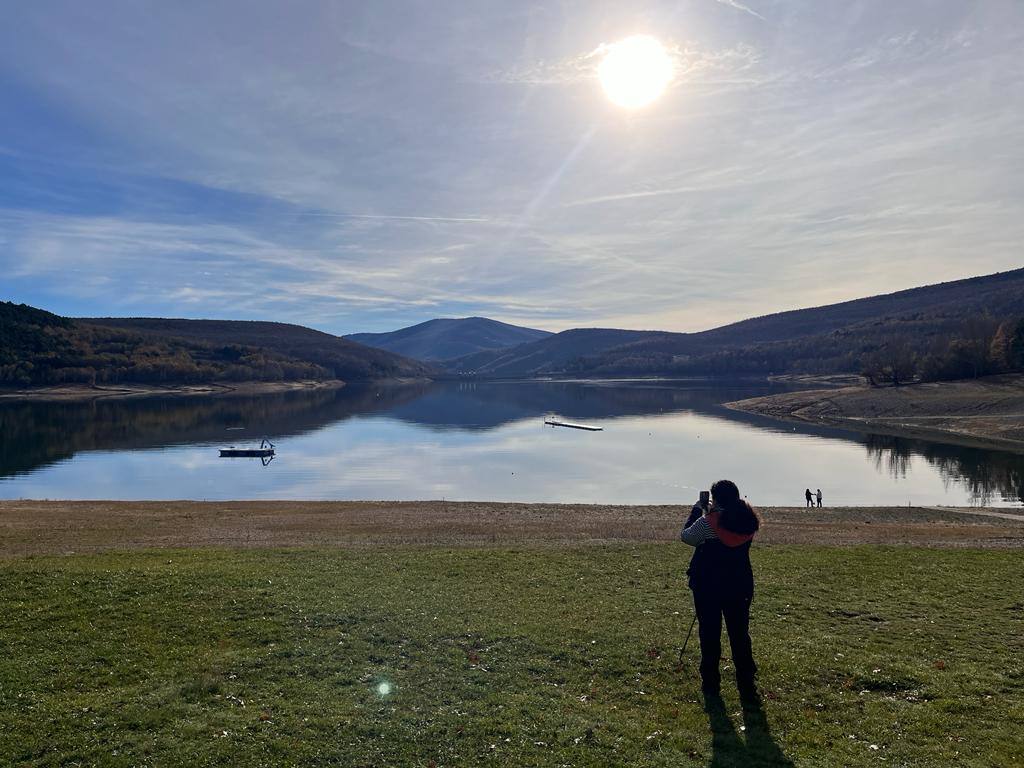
662 442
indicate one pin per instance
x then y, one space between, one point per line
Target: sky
358 166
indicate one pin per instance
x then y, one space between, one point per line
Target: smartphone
705 498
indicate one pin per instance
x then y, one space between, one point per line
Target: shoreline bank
111 392
983 413
124 391
86 392
30 528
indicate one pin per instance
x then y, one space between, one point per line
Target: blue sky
364 166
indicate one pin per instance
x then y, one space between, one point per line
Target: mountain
40 348
830 339
956 329
342 358
554 353
446 338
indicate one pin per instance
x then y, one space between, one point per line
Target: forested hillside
560 352
39 348
445 338
938 332
343 359
960 329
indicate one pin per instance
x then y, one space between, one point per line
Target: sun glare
635 71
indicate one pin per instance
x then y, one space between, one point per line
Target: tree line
38 348
887 351
981 346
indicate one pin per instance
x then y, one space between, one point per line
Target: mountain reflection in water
349 442
986 475
38 433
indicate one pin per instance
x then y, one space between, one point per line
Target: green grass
503 657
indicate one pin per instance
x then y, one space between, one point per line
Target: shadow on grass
728 750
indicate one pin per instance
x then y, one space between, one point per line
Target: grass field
530 656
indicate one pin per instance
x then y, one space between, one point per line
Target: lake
661 443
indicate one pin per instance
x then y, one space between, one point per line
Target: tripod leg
687 640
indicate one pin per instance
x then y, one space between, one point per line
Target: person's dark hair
736 514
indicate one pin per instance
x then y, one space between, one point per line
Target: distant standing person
819 497
808 495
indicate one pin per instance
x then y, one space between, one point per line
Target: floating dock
265 451
570 425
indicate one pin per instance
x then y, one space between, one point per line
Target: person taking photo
722 582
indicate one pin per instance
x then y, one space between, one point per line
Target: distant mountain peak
444 338
827 339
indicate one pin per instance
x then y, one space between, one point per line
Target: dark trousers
710 609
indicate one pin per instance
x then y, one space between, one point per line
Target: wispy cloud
358 171
383 217
692 63
636 195
740 7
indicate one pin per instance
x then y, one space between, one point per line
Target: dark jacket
719 570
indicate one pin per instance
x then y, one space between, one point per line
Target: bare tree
894 362
901 362
976 342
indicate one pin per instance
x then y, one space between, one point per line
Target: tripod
687 640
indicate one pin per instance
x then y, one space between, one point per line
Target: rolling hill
837 338
447 338
554 353
956 329
40 348
342 358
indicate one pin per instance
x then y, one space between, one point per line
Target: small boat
266 450
570 425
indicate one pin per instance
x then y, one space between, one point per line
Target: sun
635 71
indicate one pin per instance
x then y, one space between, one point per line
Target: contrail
394 218
633 196
741 7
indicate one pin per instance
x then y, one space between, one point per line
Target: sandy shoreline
66 527
984 413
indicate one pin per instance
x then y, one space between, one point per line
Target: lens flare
635 71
